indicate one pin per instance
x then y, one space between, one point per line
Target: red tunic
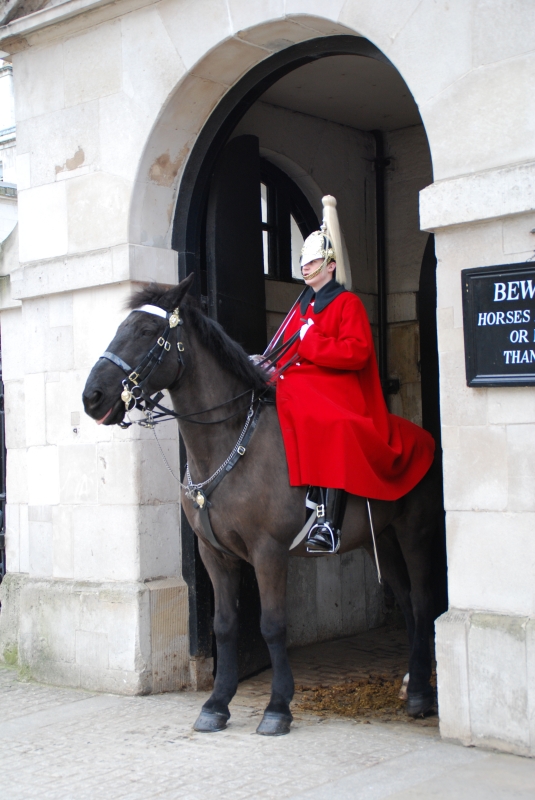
336 427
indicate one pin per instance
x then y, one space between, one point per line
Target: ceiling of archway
351 90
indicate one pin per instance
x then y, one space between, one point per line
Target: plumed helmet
328 243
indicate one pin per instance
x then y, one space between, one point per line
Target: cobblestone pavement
62 744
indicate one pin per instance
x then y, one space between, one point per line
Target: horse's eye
147 332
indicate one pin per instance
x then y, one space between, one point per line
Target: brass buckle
133 377
241 450
320 511
161 341
167 347
180 347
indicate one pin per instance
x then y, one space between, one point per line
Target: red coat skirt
336 427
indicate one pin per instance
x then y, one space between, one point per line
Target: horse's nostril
92 399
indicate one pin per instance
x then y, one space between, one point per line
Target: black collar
322 298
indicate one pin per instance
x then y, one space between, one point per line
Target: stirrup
322 538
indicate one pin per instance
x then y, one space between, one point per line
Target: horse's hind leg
225 576
271 573
417 549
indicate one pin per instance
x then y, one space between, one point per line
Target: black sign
499 325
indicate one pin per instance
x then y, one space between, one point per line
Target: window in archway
287 219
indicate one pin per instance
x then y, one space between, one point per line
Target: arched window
287 219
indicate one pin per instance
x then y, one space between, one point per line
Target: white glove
305 327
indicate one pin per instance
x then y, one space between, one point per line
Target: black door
236 293
236 298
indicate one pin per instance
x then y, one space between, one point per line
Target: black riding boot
324 535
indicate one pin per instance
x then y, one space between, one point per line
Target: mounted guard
338 433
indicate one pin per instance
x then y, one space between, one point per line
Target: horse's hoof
210 722
273 724
419 703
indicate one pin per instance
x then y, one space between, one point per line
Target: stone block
65 412
24 539
201 674
452 675
379 23
150 80
46 349
12 531
475 474
246 15
60 142
159 541
501 545
530 662
498 682
15 420
43 475
10 593
402 307
43 222
276 35
374 593
23 170
301 602
105 542
501 29
353 585
486 136
78 474
459 404
17 476
169 615
329 598
12 338
40 541
38 81
521 467
518 236
228 62
311 14
62 560
153 264
429 64
124 128
157 485
195 26
118 472
92 650
280 296
511 405
35 424
97 211
92 64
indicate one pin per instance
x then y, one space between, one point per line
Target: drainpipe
381 162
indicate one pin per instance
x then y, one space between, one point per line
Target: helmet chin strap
316 272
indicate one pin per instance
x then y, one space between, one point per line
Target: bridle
134 394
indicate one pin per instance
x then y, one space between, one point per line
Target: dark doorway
429 367
220 234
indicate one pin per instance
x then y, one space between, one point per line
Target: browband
153 310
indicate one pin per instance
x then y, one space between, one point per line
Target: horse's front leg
224 573
271 566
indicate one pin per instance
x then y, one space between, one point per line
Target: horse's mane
229 354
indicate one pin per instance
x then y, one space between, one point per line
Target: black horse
254 512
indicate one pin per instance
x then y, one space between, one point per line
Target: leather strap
203 510
117 361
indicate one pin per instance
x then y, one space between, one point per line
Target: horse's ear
175 296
